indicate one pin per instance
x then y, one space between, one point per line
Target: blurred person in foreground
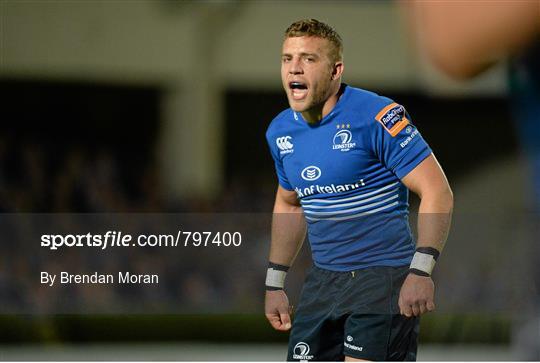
345 159
463 40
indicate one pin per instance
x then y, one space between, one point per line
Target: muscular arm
288 228
288 233
428 181
464 38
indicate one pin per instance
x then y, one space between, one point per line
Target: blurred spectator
464 39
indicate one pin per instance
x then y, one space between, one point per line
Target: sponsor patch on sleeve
393 118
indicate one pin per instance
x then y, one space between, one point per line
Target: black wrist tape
430 251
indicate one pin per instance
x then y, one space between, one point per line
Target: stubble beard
317 98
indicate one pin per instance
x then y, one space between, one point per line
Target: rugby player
345 159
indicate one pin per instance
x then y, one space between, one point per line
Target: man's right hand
276 308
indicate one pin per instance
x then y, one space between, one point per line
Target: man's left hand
416 296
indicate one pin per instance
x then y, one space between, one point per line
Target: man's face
306 72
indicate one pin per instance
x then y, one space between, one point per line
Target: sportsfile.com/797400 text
120 239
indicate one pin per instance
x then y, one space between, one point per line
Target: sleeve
278 163
396 141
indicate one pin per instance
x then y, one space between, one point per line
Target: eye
285 59
310 59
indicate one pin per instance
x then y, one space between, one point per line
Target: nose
295 67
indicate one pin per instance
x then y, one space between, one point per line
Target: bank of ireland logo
347 344
301 351
311 173
284 144
342 141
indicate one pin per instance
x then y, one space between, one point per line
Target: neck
318 112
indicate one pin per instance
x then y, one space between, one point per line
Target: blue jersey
346 172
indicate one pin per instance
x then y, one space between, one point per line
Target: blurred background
161 107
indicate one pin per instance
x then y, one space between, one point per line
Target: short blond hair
315 28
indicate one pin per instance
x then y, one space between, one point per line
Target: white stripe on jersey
349 204
350 198
353 209
354 215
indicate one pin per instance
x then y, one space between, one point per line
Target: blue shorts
353 314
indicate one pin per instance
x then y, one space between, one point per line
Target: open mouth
298 90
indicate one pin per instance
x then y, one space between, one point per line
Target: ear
337 70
